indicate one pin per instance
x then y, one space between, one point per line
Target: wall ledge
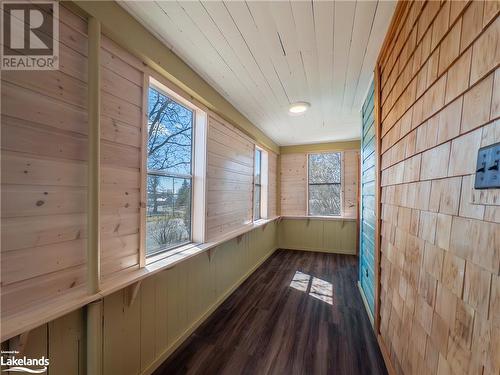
53 308
47 310
324 218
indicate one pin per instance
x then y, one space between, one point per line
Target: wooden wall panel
174 302
440 246
324 235
273 186
44 178
62 341
350 175
293 177
230 158
121 122
44 152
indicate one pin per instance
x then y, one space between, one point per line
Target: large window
257 190
324 180
169 172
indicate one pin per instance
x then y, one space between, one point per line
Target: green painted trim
317 250
321 147
365 302
130 34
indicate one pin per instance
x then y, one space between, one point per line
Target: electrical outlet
488 167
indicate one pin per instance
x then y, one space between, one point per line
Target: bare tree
169 134
170 129
324 183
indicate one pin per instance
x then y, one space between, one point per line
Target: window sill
168 253
44 311
177 256
324 218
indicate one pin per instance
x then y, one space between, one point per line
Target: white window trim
341 215
264 185
198 174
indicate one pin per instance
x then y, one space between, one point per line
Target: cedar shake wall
440 247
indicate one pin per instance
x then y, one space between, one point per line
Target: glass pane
170 134
258 164
324 168
324 200
168 220
256 203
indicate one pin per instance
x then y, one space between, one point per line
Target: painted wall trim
94 156
365 303
316 250
130 34
320 147
94 337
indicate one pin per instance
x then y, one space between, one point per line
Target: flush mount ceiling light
298 108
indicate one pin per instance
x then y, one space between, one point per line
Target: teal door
367 218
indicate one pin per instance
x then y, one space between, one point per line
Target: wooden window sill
325 218
45 311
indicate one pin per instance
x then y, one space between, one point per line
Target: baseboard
385 354
167 352
365 302
343 252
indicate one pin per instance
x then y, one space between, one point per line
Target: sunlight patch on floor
315 287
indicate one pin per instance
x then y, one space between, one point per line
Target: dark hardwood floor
299 313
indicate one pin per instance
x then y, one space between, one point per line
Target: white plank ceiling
264 55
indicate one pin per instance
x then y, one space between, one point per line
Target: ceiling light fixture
298 108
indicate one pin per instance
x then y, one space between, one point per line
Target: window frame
257 151
197 175
341 183
264 182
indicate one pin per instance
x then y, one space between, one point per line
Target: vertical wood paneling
121 334
172 303
367 219
440 249
331 236
66 343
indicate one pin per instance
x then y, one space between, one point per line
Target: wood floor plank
298 313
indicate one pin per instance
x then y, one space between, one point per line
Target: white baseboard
365 302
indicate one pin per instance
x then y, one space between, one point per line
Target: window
260 183
324 179
257 190
169 173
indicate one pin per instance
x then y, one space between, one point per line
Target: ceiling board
262 56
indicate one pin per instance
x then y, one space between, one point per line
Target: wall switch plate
488 167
